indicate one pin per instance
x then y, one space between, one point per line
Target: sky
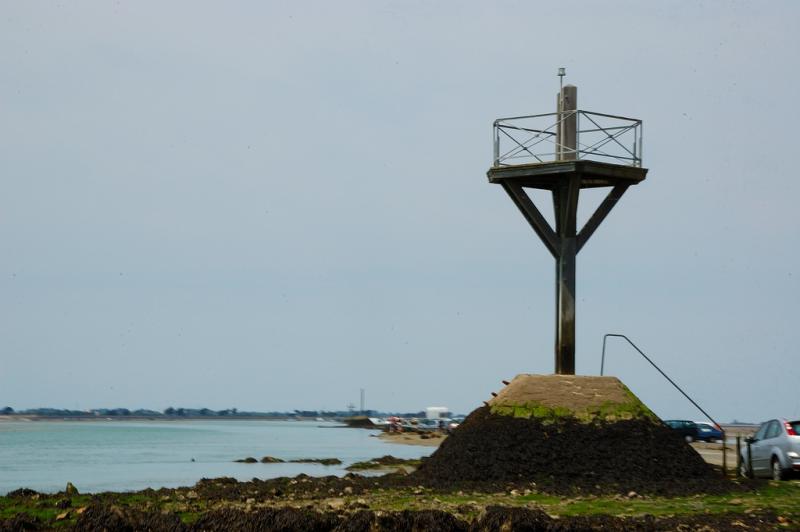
271 205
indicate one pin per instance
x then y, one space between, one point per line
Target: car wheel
777 471
688 439
744 471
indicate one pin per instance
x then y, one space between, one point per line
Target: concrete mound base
569 434
586 398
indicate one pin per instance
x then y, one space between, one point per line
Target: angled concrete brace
564 243
534 217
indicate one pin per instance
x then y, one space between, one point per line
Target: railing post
738 456
641 134
559 132
569 124
749 460
496 145
724 454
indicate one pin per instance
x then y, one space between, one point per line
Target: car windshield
761 431
796 426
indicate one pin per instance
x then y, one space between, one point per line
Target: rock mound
569 434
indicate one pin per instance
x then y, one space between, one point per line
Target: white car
774 450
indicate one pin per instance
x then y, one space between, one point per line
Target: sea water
132 455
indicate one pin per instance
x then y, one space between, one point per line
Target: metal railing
724 437
536 139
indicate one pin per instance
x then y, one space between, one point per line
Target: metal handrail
603 360
521 139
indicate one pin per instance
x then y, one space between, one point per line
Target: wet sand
413 438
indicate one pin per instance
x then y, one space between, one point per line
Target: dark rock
248 460
271 460
388 459
21 493
383 462
498 518
21 522
71 490
103 517
323 461
421 520
278 519
63 504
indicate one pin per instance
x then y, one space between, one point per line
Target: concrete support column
565 307
565 203
569 124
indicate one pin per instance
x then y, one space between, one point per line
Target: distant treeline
172 412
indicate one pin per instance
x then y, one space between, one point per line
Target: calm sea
128 455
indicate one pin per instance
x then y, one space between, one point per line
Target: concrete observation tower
565 152
523 432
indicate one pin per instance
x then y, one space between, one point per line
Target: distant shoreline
36 418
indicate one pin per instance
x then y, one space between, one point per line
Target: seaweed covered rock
266 519
323 461
566 434
102 517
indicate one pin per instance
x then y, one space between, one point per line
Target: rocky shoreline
493 519
356 503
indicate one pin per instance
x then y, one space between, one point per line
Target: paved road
712 452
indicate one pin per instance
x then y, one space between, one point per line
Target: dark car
695 431
708 432
687 429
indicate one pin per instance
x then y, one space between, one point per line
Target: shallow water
131 455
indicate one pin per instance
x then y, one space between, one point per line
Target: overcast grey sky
271 205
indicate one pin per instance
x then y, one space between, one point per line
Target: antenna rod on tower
560 108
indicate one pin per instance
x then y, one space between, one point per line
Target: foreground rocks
493 519
390 502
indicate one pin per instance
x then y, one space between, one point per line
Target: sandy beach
413 438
